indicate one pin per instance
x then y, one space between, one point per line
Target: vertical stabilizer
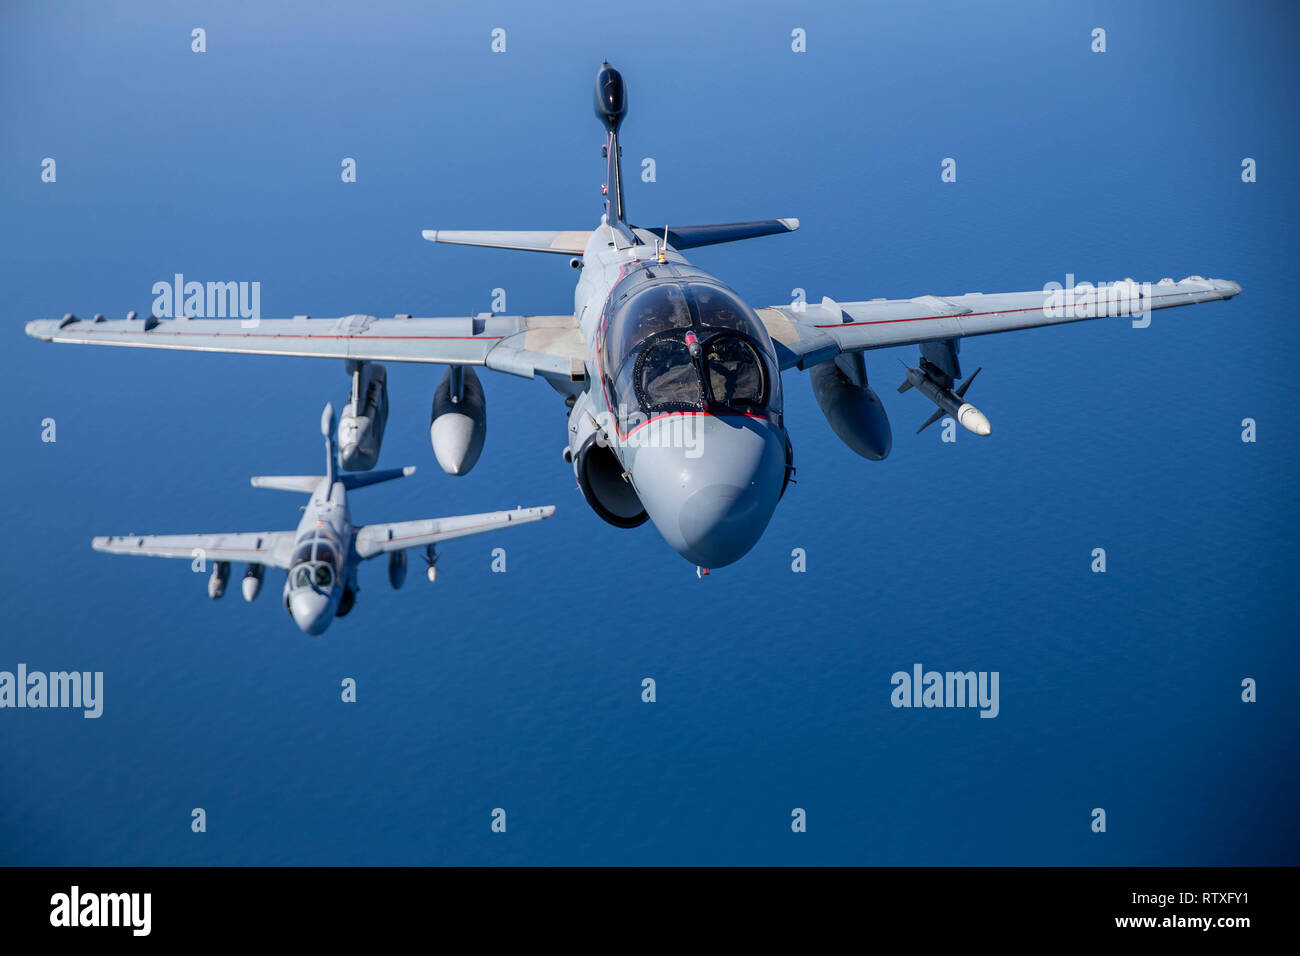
331 450
611 108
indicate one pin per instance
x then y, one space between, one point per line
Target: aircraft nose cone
711 498
310 611
721 523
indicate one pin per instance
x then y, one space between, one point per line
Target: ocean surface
522 690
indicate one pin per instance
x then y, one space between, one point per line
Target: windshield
718 309
679 347
735 371
656 309
667 375
315 562
311 574
318 548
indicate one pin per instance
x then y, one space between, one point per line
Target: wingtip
790 224
430 234
99 543
40 329
408 471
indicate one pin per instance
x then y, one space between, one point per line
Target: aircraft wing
376 539
274 548
524 345
812 334
566 242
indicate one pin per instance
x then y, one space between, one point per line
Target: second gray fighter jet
323 554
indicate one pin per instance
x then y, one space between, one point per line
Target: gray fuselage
685 389
324 559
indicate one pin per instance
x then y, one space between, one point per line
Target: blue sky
522 690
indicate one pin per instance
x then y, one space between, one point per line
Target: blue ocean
522 690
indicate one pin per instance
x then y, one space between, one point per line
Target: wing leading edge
811 335
523 345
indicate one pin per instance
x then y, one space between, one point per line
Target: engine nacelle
599 472
361 426
217 583
397 569
252 582
852 408
458 423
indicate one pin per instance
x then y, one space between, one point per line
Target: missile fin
938 414
961 391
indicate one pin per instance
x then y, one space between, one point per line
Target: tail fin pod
611 108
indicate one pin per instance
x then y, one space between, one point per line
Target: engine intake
600 476
599 472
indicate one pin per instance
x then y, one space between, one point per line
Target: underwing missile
949 402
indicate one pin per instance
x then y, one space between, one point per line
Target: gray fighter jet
322 556
672 382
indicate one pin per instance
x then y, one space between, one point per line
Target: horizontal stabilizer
569 242
689 237
303 483
362 479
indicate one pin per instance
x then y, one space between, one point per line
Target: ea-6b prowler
672 381
322 556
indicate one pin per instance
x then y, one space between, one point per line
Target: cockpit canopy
678 347
316 564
